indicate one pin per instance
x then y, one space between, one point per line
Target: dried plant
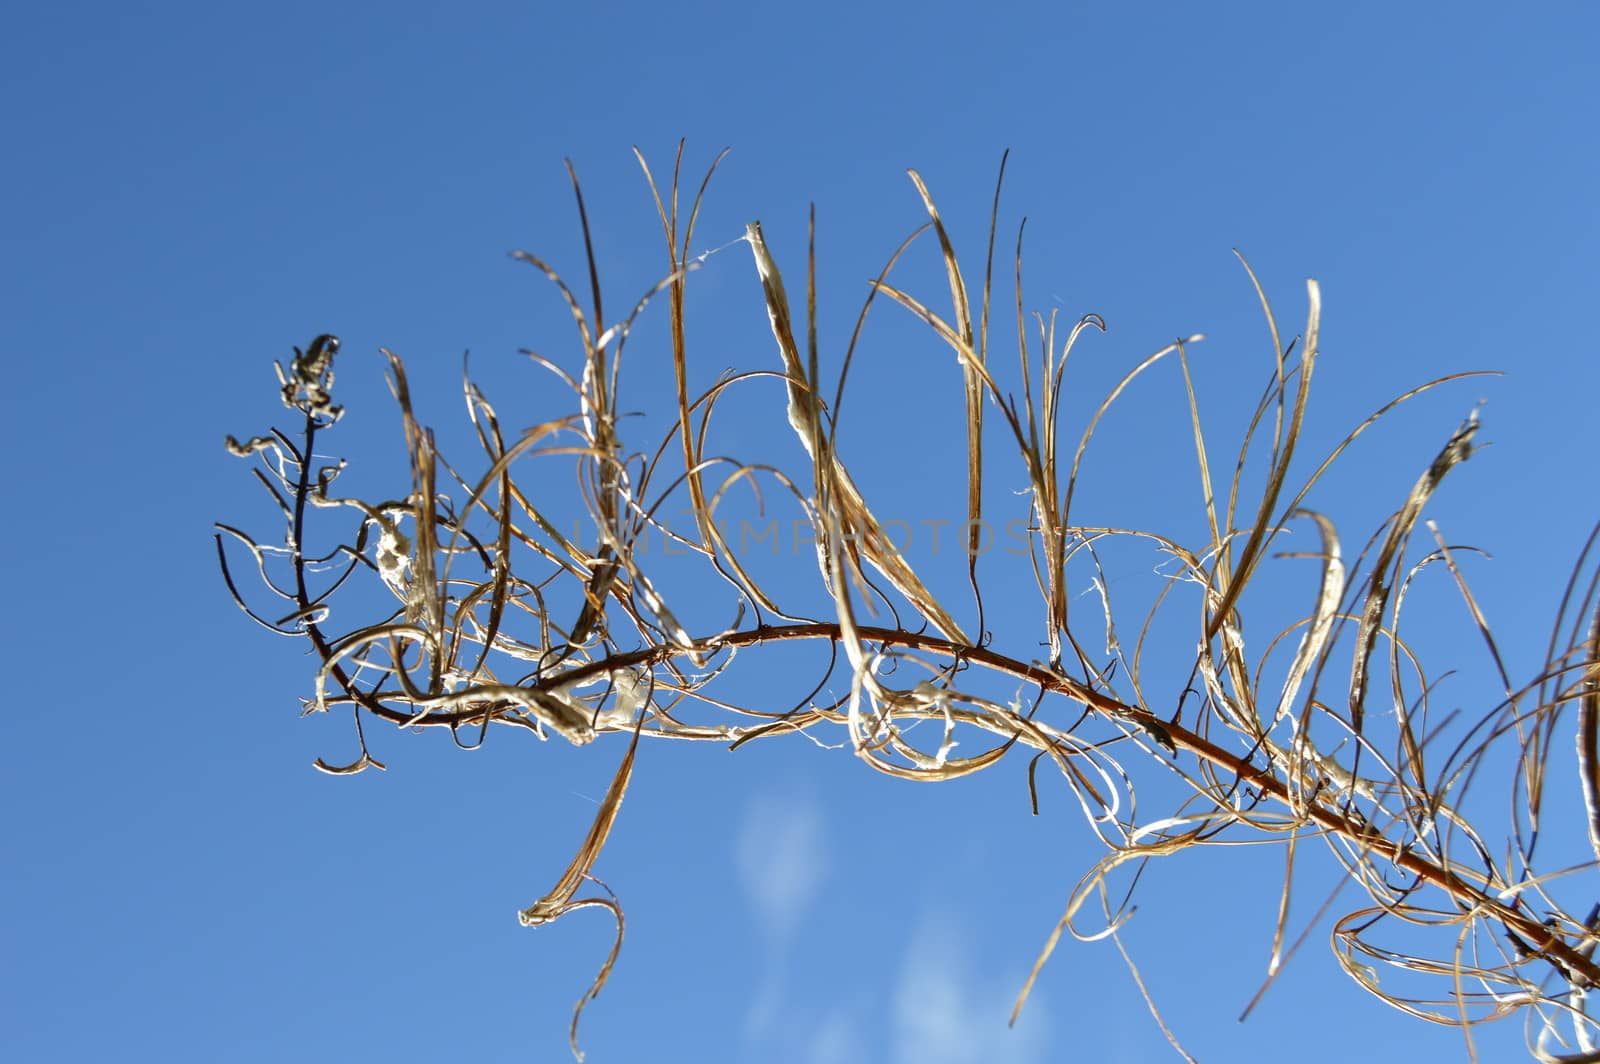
502 619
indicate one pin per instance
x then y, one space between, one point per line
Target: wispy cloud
836 1040
945 1011
782 860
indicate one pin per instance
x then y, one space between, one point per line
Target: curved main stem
1545 940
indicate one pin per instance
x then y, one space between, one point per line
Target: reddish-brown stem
1540 937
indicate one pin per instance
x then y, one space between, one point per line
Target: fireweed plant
500 616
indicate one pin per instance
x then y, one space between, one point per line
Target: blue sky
195 188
